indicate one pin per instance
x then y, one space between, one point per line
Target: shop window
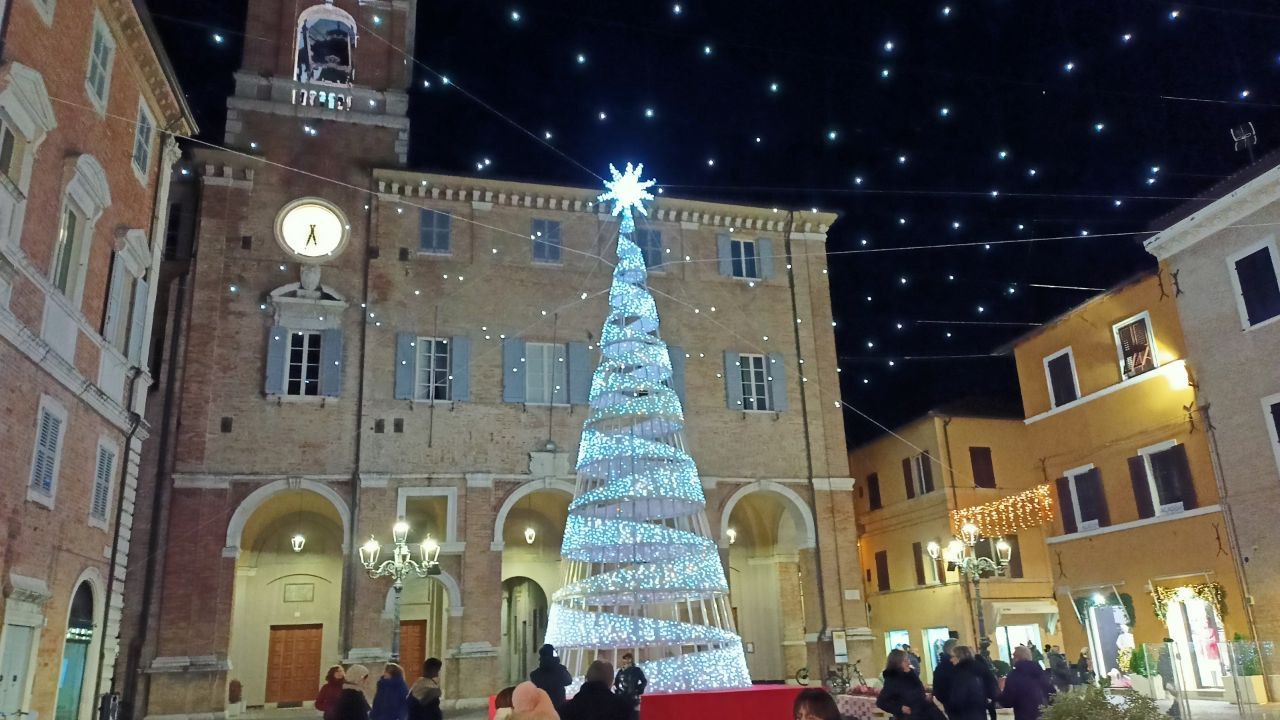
896 639
984 474
873 491
1060 369
1161 477
1135 345
1081 500
882 570
326 41
1255 273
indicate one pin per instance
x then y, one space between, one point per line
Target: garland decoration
1210 592
1006 516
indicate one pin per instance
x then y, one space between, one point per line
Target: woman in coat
902 695
972 687
595 699
424 697
352 704
327 700
391 701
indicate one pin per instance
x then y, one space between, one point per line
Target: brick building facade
85 94
347 342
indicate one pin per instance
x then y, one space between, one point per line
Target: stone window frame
1071 475
1160 508
141 164
1272 431
1269 244
449 544
740 244
100 29
26 110
1145 316
87 191
52 407
1048 377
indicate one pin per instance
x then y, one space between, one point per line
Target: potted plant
1143 675
1093 703
1246 685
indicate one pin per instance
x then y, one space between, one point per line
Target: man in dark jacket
942 673
594 700
971 687
630 681
550 676
1026 688
1164 666
1059 669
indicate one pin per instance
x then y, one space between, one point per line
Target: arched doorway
78 659
425 609
766 582
531 532
524 627
287 599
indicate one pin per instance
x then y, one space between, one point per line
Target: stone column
474 658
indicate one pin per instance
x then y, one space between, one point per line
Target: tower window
326 39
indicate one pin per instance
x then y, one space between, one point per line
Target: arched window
326 43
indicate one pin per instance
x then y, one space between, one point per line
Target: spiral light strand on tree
642 574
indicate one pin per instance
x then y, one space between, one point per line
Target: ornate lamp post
960 554
400 566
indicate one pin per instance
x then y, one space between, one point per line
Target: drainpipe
1233 539
135 421
808 443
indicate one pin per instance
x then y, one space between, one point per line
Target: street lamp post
961 555
400 566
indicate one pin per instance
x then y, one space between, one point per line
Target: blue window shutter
724 251
677 370
579 374
513 370
138 322
277 349
732 381
406 364
764 257
460 367
778 385
331 362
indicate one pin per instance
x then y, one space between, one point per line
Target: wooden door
293 663
413 648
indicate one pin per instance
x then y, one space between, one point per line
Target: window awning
996 609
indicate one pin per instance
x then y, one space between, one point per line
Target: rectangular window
650 243
926 566
64 259
546 374
172 229
882 570
984 474
12 148
1087 500
1255 275
1271 408
745 263
1060 369
304 364
1135 345
755 382
922 465
986 547
101 54
44 463
432 381
142 137
546 241
433 232
873 491
116 309
102 475
1168 477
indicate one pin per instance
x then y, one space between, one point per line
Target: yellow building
1138 540
910 482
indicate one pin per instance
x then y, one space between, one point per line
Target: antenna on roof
1245 138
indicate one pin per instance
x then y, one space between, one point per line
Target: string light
1006 516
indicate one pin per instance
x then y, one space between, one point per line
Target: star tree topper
627 191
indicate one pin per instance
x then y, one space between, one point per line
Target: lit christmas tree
643 574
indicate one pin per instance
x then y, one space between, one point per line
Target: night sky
1054 131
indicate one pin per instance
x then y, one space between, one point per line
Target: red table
758 702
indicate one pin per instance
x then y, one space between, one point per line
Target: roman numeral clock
312 231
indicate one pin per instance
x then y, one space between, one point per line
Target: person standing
327 699
1165 668
912 658
902 694
942 673
1059 670
971 689
630 682
1027 687
595 700
550 676
423 702
390 701
352 703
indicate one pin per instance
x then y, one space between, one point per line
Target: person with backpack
971 689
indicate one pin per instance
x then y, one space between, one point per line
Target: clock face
312 229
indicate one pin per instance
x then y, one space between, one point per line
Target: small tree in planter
1093 703
1248 685
1144 675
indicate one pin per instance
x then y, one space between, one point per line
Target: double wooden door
293 663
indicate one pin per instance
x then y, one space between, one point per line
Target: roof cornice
489 192
158 80
1218 215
